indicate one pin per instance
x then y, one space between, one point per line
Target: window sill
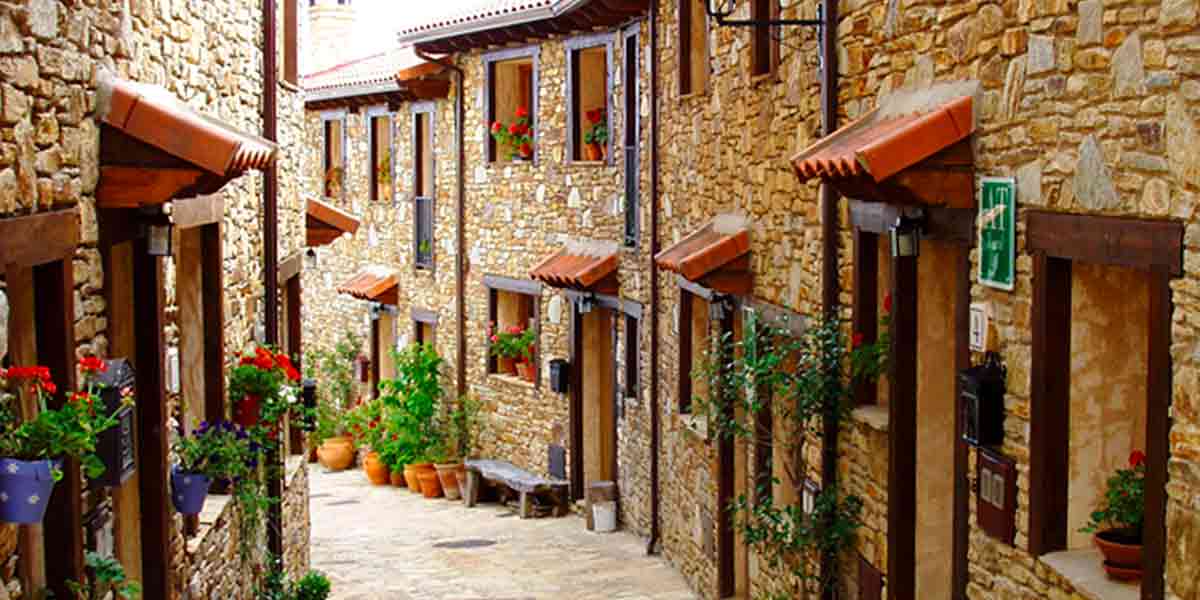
512 163
873 416
511 380
1084 570
589 163
215 509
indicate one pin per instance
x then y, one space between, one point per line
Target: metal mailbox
115 446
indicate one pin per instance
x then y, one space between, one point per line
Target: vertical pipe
655 404
830 232
271 261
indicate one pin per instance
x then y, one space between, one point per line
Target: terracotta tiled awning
581 266
716 255
915 143
376 284
326 223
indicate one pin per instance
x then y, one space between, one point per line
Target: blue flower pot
188 491
25 488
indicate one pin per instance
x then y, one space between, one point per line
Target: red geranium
857 340
595 115
1137 458
265 363
887 303
526 149
497 127
522 112
92 364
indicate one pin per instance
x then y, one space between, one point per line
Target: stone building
112 112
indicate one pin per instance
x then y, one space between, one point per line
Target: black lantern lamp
586 303
905 237
156 226
308 392
981 390
721 10
115 445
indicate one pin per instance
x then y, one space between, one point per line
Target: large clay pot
397 478
336 453
446 478
431 487
410 478
377 472
505 365
1122 553
526 371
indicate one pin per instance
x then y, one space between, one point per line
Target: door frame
947 225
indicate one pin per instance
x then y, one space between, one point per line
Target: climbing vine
803 380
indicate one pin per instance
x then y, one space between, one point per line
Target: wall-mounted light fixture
310 258
157 227
721 10
586 303
905 236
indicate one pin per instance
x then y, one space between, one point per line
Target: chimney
330 27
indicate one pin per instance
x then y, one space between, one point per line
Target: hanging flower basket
248 410
25 488
189 491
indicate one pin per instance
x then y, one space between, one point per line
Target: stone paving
383 543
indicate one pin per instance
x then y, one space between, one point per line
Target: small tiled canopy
325 223
375 284
717 256
913 149
153 147
581 265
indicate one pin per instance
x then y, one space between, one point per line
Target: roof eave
487 24
350 91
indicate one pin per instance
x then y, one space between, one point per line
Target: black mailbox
115 446
982 390
309 393
560 376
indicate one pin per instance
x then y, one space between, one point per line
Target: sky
378 20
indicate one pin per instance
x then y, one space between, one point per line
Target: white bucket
604 517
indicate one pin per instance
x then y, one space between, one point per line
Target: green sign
997 232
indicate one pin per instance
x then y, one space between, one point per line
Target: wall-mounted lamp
721 10
310 258
586 303
719 306
376 311
905 237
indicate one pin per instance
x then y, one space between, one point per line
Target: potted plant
383 174
517 136
336 396
446 464
463 425
364 422
218 451
1117 525
427 475
261 387
596 138
107 580
275 586
395 454
31 452
513 349
333 182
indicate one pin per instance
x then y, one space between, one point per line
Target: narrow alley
386 543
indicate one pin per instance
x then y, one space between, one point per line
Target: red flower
265 363
246 360
92 364
374 424
292 373
856 341
526 149
49 387
497 127
595 115
887 303
1137 458
522 112
78 396
514 129
494 338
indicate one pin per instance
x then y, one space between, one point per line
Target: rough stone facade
209 55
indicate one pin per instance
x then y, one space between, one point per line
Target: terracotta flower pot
431 487
312 454
592 151
505 365
397 478
377 472
449 482
410 478
460 477
526 370
1122 551
336 453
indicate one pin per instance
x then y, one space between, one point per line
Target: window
291 42
333 159
764 49
632 366
693 343
693 47
588 90
381 164
632 136
423 184
512 302
511 91
424 326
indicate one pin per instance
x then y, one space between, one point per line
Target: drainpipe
460 209
655 407
830 234
271 257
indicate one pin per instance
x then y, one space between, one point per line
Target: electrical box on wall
114 446
996 481
981 400
560 376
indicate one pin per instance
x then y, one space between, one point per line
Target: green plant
333 182
364 422
413 400
598 132
314 585
107 576
220 451
517 137
463 425
515 342
337 389
1124 505
69 430
268 377
806 381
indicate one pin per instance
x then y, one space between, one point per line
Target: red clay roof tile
325 222
718 243
374 283
577 266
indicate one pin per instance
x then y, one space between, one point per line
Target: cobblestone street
384 543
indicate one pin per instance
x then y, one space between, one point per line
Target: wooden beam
39 238
1158 432
189 298
213 303
54 285
201 210
1106 240
22 348
510 284
902 432
131 187
422 315
291 266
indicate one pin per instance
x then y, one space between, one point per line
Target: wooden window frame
429 111
499 283
326 117
372 113
631 132
686 86
489 59
291 42
764 42
1056 241
421 316
573 47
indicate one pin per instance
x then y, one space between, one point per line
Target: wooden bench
519 480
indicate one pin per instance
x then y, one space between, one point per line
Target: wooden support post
526 505
149 300
471 497
213 302
189 296
1158 431
902 438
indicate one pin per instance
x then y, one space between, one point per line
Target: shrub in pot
106 579
335 397
1117 524
31 452
219 451
596 138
